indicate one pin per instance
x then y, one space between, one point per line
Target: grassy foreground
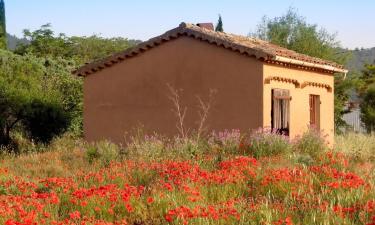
225 179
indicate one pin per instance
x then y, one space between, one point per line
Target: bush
105 152
311 143
227 141
264 142
45 120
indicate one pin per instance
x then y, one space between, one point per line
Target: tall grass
360 147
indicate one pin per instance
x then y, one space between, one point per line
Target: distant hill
360 57
13 41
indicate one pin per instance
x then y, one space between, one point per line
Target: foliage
366 79
31 95
44 43
61 186
58 74
365 85
86 49
343 88
359 147
368 110
45 120
3 32
264 142
361 57
219 25
311 143
39 95
106 152
293 32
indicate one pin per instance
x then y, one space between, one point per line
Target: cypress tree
219 25
3 33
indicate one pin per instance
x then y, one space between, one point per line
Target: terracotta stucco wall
134 92
299 105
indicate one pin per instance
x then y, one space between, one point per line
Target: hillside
360 57
13 41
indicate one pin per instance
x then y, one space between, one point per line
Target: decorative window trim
282 79
316 84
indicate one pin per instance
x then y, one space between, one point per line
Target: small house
257 84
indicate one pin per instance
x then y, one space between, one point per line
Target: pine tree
219 25
3 33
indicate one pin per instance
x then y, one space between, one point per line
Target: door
314 111
280 111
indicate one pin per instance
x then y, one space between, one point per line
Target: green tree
32 97
58 55
366 79
3 33
293 32
44 43
86 49
219 25
368 110
366 91
44 120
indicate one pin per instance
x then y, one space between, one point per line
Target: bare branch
204 109
178 110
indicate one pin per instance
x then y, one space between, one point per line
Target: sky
352 20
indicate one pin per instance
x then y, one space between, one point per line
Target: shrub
45 120
311 143
104 151
227 141
92 154
264 142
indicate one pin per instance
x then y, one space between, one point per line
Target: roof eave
310 64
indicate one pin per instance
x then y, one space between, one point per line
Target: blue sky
140 19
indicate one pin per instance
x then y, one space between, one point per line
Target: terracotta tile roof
259 49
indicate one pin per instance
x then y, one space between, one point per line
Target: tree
293 32
366 79
3 33
32 97
45 120
219 25
368 110
58 55
366 91
44 43
86 49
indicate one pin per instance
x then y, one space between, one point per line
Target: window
314 111
280 111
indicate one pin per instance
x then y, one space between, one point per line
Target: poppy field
216 181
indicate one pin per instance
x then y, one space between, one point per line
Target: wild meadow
226 178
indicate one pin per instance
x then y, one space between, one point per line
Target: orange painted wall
134 92
299 105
